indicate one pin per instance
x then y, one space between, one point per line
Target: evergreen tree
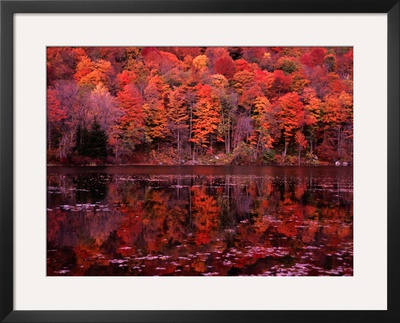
91 143
97 142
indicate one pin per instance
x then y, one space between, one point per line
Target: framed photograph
200 161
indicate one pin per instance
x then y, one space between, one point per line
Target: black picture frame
9 8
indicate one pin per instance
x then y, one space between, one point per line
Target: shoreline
196 165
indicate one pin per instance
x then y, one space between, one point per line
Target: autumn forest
199 105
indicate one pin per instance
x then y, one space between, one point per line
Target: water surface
200 220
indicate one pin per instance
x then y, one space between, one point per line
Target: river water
200 220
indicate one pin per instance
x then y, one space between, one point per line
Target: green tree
92 143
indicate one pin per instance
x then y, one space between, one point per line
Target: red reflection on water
101 224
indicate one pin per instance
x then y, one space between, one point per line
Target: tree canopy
208 105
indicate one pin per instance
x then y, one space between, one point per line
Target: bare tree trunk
48 136
298 161
179 147
285 151
339 142
258 144
229 137
190 129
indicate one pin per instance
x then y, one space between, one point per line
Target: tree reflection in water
282 222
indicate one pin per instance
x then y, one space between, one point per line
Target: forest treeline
206 105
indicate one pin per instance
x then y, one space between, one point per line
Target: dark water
200 220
